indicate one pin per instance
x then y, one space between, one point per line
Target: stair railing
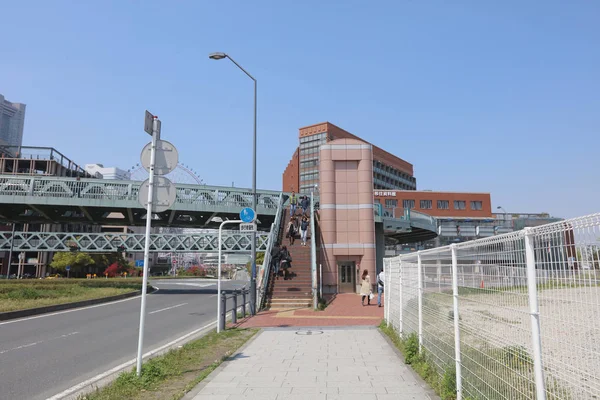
265 270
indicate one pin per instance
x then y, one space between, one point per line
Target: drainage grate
309 333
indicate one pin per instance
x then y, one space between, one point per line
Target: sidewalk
344 310
316 364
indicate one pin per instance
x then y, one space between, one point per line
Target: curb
198 388
4 316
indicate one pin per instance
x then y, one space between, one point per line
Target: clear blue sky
487 96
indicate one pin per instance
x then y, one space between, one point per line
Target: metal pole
235 221
253 281
244 302
420 298
12 240
313 249
236 293
456 325
534 311
400 271
155 137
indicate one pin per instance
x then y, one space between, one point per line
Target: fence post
236 293
223 311
456 323
420 297
386 289
534 312
244 303
400 271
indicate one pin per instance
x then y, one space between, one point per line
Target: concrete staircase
296 292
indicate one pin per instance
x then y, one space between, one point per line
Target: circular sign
68 268
164 196
247 215
166 157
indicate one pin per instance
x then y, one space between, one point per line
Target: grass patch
489 373
175 373
24 294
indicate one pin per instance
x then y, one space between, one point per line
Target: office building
12 121
302 173
100 171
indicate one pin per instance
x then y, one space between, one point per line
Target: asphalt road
43 356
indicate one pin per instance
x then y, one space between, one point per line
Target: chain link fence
514 316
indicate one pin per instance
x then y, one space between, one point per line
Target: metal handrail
265 270
233 294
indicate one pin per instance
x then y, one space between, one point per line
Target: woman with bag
365 288
286 261
291 231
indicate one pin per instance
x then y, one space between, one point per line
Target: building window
443 204
460 204
476 205
391 203
408 204
426 204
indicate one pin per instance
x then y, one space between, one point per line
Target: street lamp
220 56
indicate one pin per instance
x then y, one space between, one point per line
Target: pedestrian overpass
32 199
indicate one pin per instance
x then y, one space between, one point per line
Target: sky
480 96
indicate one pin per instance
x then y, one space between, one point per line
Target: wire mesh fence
514 316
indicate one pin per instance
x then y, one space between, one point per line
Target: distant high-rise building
107 172
12 120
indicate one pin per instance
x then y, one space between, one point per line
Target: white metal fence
514 316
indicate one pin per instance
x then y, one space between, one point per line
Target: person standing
293 203
365 288
380 284
304 229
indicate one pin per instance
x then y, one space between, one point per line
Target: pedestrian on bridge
293 203
304 229
275 259
305 204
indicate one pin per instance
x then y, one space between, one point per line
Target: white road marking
129 363
40 342
193 284
168 308
73 310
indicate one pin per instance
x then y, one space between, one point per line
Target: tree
76 260
116 270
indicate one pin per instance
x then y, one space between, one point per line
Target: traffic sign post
68 269
157 194
248 215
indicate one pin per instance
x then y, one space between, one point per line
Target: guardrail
233 295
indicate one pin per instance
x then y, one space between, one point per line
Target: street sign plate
139 263
248 215
68 268
164 197
148 123
251 227
166 158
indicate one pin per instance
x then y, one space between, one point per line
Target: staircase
296 292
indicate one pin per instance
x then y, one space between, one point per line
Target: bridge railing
514 316
113 190
262 280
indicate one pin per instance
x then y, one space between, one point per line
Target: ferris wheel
181 174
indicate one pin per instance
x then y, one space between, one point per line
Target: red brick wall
378 153
291 179
485 198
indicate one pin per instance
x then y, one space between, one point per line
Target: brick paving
316 364
344 310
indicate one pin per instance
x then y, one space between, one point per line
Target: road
44 355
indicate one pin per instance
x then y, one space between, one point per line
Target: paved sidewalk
315 364
344 310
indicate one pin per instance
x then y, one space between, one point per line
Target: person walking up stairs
296 290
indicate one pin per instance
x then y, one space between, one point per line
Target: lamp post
220 56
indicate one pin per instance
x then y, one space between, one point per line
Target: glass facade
386 177
309 161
